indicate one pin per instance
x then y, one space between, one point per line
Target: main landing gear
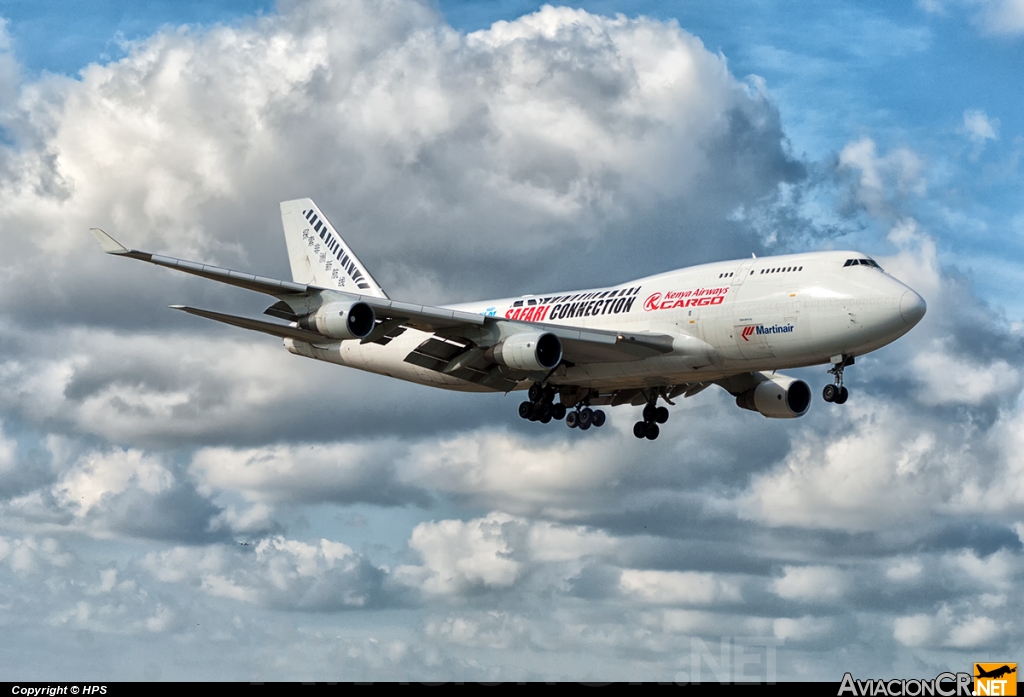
835 392
585 417
541 407
653 415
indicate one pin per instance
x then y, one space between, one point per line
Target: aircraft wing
292 294
459 341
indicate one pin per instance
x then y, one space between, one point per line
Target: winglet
109 244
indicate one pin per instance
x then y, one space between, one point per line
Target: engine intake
341 320
777 397
528 351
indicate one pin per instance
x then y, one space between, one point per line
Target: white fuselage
729 317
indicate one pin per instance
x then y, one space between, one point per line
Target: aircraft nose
912 307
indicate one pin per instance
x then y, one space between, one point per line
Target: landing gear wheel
572 419
536 392
830 393
586 418
640 429
652 431
559 412
546 419
650 413
661 414
843 395
544 412
525 409
599 418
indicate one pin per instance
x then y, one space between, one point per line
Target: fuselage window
517 303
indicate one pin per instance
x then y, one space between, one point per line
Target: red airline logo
653 301
673 299
747 331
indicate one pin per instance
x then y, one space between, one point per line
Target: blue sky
394 532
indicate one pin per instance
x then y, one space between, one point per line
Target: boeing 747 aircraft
729 323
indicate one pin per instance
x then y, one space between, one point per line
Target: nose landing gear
836 393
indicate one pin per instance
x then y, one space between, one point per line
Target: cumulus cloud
542 129
341 473
678 587
881 181
276 572
811 583
949 627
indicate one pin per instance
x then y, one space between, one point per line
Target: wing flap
601 346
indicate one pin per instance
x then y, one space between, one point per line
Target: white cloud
805 628
979 127
8 451
338 472
811 583
1001 17
10 72
881 179
860 480
914 630
498 551
100 474
996 571
946 379
904 570
26 555
678 587
459 555
962 627
508 470
275 572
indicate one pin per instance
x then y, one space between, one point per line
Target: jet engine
528 351
777 397
341 320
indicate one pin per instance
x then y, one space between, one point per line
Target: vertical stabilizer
317 253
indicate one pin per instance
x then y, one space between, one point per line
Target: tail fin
317 253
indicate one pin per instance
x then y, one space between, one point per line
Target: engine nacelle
341 320
777 397
528 351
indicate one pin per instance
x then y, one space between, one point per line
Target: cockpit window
862 262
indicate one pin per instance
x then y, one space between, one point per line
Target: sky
181 500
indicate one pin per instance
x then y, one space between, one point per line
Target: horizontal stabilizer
281 330
270 286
